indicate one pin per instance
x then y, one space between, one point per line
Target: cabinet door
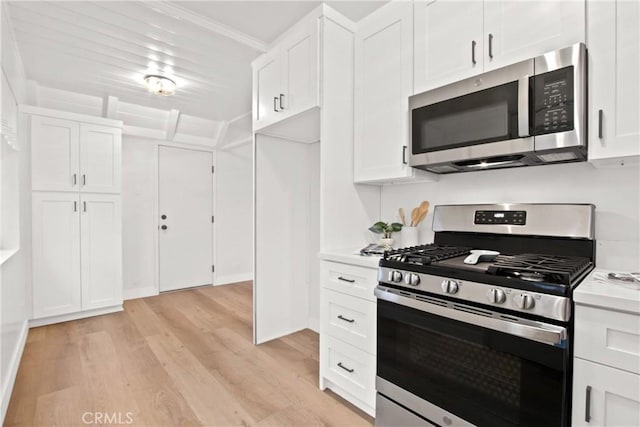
54 154
383 82
611 395
100 159
445 33
300 71
521 30
56 254
267 80
614 79
101 225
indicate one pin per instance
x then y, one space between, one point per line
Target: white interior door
185 191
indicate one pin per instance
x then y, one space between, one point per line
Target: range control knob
496 296
524 301
412 279
449 286
395 276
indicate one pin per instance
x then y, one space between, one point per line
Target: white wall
615 192
16 272
234 214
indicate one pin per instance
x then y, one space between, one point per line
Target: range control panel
500 217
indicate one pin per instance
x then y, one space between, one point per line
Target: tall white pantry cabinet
76 164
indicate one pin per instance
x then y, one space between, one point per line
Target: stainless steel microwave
529 113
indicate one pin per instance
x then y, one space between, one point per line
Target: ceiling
105 48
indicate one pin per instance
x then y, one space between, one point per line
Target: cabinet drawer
350 319
350 368
349 279
608 337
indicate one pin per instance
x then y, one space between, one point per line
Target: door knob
163 217
164 227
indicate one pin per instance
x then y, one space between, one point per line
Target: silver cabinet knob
496 296
412 279
524 301
449 286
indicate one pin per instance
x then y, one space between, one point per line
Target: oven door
484 118
453 364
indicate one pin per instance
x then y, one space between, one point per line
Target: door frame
167 144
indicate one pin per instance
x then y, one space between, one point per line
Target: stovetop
544 273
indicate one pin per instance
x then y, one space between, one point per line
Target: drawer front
350 368
349 279
350 319
608 337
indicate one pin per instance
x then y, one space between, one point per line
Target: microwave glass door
480 375
480 117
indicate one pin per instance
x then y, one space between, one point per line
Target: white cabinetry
459 39
613 35
348 332
285 79
77 218
606 372
383 83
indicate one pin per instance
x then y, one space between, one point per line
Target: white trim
237 143
7 386
110 107
240 117
136 293
233 278
6 254
34 323
172 124
172 9
85 118
314 324
222 132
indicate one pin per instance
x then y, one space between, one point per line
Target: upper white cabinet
459 39
285 79
70 156
613 35
383 84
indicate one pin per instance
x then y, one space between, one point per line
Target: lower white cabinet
348 332
77 255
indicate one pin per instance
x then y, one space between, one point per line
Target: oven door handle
543 333
523 106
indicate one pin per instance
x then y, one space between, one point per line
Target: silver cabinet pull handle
473 52
281 101
84 179
600 118
84 206
275 107
404 154
75 180
345 319
490 45
345 368
75 206
587 407
346 280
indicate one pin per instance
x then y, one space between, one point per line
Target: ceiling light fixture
159 85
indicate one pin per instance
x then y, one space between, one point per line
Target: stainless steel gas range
486 343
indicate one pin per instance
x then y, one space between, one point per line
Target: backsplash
617 201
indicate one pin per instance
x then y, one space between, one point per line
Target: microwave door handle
523 106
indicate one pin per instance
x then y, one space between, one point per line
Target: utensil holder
409 236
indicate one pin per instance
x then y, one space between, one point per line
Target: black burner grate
561 270
425 254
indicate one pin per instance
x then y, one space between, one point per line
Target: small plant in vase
386 230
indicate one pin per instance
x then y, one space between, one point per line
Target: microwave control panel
553 101
500 217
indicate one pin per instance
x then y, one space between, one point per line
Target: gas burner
562 270
425 254
529 276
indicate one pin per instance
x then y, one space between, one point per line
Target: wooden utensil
414 216
423 209
402 218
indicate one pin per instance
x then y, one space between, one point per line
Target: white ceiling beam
237 143
32 92
176 11
240 117
172 124
222 133
110 107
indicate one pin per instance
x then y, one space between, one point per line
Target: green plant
385 229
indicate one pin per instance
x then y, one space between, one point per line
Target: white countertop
598 291
350 256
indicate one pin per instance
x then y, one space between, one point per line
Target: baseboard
34 323
136 293
314 324
7 386
233 278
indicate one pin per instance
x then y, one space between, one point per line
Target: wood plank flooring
178 359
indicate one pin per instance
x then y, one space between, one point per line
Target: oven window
486 377
480 117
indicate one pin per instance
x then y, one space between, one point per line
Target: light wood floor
183 358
